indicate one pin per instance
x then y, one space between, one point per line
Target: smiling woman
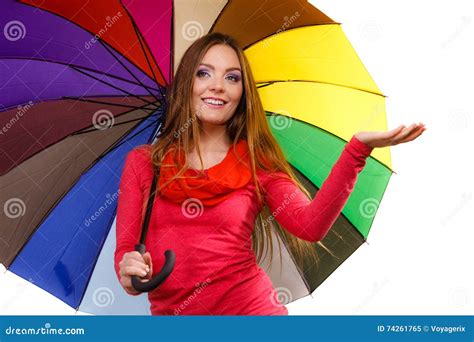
218 183
217 90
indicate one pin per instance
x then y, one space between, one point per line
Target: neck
214 138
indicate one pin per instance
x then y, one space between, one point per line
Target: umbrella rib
81 67
219 16
139 36
58 200
290 29
327 132
121 114
106 103
86 30
129 71
271 82
112 86
121 141
115 125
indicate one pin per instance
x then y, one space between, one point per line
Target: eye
233 78
202 73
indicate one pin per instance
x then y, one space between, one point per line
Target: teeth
214 102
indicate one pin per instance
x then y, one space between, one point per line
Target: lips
214 101
214 98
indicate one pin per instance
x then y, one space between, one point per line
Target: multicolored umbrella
82 85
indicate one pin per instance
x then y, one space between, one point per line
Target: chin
212 121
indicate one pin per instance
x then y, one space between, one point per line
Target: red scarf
217 183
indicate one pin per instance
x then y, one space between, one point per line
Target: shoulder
139 156
267 178
138 165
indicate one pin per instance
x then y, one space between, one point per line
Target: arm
129 210
311 219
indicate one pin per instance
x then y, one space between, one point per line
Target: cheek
236 94
198 87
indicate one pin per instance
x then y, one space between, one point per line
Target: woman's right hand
133 263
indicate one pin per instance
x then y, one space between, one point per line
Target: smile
214 103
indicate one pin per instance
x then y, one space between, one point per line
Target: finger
390 136
392 133
148 262
129 271
415 134
135 256
140 264
411 135
134 264
403 134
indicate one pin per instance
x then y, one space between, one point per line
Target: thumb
147 259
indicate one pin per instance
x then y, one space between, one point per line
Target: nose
217 85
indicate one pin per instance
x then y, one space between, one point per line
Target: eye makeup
233 77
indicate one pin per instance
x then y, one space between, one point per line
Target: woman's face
217 87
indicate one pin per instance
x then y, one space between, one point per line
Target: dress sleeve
311 219
129 208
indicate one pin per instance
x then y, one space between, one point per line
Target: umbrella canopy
82 85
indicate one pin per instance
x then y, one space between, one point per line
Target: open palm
399 135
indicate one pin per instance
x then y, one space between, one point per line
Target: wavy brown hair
181 130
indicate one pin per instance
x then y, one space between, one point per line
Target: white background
420 252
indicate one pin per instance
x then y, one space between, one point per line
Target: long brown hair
181 130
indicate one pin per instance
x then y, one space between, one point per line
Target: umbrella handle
158 279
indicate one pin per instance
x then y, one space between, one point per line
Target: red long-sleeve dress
216 272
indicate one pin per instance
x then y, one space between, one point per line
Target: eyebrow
228 69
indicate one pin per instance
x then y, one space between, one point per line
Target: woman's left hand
396 136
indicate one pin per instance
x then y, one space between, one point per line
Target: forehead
221 56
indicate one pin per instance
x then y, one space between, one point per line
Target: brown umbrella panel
40 181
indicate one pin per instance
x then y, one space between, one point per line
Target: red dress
216 272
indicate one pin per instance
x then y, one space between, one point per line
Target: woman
219 168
